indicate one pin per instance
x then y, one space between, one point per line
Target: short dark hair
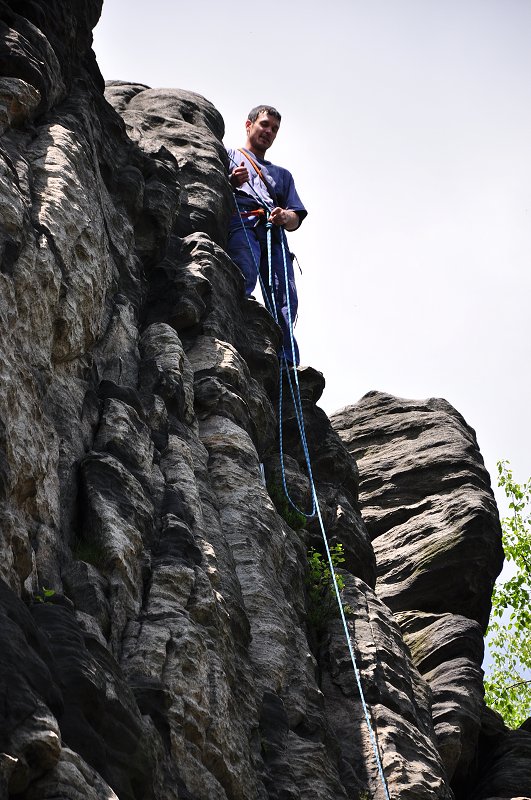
255 112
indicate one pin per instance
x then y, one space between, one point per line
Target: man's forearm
285 218
293 222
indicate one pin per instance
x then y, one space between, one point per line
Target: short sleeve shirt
282 191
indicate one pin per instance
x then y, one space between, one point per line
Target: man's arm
285 218
294 212
239 176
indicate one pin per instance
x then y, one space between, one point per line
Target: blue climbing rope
366 712
269 297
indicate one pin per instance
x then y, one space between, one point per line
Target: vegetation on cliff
508 686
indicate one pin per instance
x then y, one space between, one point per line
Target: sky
407 126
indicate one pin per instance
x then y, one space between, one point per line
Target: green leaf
508 684
322 601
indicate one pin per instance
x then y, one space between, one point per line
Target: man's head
255 112
262 126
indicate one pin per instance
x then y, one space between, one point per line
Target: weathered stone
179 293
191 129
427 503
267 560
426 499
166 370
100 719
18 102
31 699
398 698
30 57
71 779
223 386
118 523
336 478
88 589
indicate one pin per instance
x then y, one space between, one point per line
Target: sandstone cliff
154 636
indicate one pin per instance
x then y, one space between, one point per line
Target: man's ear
248 124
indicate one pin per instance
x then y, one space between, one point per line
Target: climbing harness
293 382
256 212
252 162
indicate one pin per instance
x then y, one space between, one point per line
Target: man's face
262 132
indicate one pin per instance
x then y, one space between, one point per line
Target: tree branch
518 683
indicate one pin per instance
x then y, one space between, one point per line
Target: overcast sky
407 126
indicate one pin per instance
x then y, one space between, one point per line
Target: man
265 192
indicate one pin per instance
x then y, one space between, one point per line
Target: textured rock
448 651
71 779
31 699
423 481
18 102
100 719
504 767
190 128
154 632
426 499
337 476
399 702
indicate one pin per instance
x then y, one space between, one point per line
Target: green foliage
294 519
91 552
508 686
45 595
322 601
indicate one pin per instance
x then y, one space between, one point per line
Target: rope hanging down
316 510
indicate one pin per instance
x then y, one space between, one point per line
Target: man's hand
285 218
239 176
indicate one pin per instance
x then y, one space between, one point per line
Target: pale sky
407 126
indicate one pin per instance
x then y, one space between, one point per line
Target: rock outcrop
426 500
154 630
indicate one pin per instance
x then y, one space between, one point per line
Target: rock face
155 639
426 500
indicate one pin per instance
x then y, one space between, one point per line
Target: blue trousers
249 252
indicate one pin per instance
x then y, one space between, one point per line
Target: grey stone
398 698
190 128
426 499
18 102
71 779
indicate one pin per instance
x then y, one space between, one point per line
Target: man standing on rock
265 193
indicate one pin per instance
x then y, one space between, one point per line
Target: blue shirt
282 191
